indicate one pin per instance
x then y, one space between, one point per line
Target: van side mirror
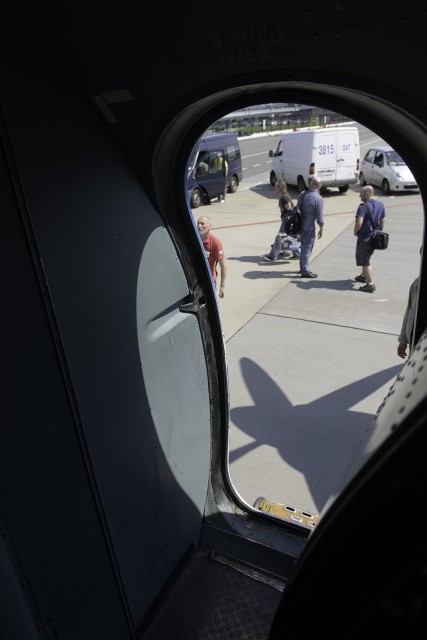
270 154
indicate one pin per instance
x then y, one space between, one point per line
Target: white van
330 154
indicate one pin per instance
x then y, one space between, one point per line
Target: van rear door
347 155
325 155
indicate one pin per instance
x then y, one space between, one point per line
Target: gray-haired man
310 203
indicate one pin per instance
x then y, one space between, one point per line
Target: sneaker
361 278
294 258
269 258
308 274
368 288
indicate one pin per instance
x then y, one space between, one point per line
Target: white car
383 167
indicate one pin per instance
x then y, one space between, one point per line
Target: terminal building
273 116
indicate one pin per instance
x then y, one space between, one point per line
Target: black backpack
292 222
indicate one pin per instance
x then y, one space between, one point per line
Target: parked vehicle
384 167
330 154
204 180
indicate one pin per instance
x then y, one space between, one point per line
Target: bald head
204 225
367 192
315 183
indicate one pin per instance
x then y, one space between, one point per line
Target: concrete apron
310 361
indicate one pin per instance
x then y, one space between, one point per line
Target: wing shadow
308 437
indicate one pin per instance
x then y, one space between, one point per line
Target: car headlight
398 175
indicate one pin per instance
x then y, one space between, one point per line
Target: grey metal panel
174 370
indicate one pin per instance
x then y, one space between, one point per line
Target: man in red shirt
214 251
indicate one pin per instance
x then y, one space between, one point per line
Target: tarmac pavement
309 361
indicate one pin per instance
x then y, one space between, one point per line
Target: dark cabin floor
211 600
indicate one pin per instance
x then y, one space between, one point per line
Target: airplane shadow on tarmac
320 440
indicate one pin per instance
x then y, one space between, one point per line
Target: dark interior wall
91 473
193 52
50 514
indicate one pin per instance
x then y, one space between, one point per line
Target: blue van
205 179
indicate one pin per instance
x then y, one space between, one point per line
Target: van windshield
192 159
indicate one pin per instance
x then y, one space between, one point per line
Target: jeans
308 237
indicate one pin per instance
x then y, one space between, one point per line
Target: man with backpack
370 217
310 203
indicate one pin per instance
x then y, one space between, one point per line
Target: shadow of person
335 285
266 190
260 275
258 259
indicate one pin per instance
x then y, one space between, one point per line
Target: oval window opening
311 355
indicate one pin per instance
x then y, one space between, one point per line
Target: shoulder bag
379 239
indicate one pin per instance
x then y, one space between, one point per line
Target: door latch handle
197 300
